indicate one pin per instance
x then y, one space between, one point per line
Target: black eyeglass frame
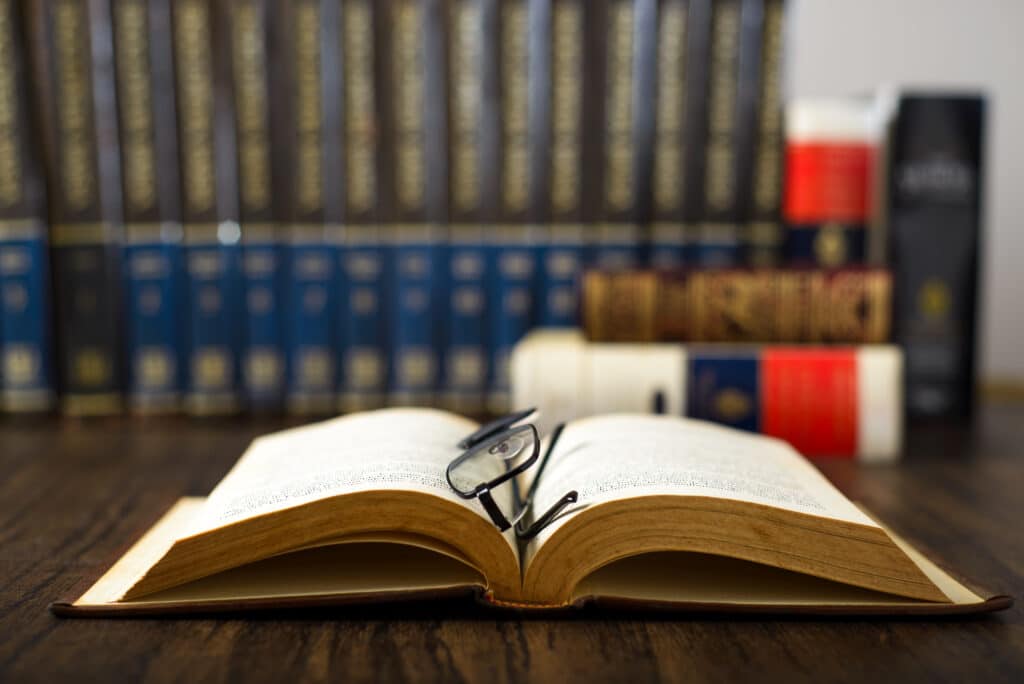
491 435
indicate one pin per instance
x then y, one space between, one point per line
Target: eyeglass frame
490 435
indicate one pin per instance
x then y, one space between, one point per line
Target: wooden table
74 492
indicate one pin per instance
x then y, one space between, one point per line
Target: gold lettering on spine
360 176
195 103
251 106
134 97
10 154
668 148
515 157
308 96
74 103
408 80
719 182
768 165
566 93
619 125
466 96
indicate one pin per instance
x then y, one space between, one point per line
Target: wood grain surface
73 494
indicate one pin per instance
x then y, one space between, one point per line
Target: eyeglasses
496 453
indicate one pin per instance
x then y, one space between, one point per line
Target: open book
671 513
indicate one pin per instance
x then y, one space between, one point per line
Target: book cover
936 186
764 230
307 131
152 250
74 76
215 320
464 382
668 172
413 235
617 240
732 63
26 370
557 128
363 294
262 352
512 240
739 305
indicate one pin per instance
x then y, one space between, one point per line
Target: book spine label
617 241
465 362
213 293
721 305
719 238
26 373
559 145
152 254
363 260
668 176
84 186
413 237
312 233
262 253
764 227
935 195
514 248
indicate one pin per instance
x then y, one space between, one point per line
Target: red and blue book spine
26 371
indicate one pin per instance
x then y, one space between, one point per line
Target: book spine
78 111
262 354
26 372
558 142
465 361
719 239
513 243
213 294
825 401
764 227
668 164
412 235
152 252
936 190
363 335
618 235
695 126
305 110
852 306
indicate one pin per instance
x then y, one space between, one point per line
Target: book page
624 456
391 449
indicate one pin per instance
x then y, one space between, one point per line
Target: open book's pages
670 512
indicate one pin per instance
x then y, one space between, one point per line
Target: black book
74 76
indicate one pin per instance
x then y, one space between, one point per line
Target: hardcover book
557 101
74 73
852 306
262 352
671 514
307 125
364 272
26 370
152 249
209 191
837 401
465 362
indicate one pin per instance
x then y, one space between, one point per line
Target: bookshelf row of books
221 204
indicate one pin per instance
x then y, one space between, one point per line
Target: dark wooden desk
72 493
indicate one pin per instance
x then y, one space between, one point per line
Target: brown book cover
738 305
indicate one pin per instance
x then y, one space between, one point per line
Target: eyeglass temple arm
549 515
555 434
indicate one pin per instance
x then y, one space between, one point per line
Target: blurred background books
215 206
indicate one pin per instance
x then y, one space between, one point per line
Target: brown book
852 306
671 513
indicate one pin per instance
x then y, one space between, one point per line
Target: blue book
262 352
362 334
152 253
213 293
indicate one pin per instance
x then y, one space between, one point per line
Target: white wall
838 47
